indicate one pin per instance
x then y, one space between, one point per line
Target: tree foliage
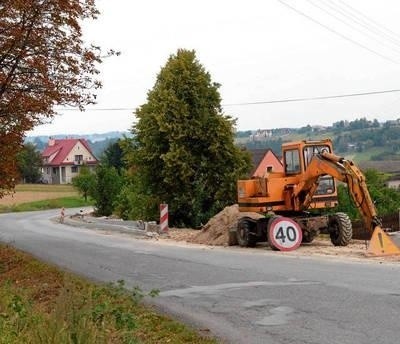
183 147
29 162
387 200
43 62
113 156
84 181
107 186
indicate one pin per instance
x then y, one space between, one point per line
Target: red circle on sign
284 234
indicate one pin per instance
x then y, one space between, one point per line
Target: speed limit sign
284 234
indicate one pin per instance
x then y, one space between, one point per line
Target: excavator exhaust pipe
381 244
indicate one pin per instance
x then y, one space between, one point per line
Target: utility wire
338 33
315 98
374 28
354 25
98 109
288 100
381 27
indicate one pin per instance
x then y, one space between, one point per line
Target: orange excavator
293 201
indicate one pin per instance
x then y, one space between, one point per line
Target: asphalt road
239 295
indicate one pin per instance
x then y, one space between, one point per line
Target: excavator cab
297 155
296 158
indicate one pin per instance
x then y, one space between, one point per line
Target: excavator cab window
310 151
326 184
292 161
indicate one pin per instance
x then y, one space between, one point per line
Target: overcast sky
259 51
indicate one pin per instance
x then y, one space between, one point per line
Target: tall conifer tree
183 147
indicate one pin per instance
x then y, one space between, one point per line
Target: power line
375 28
288 100
367 19
338 33
291 100
98 109
354 24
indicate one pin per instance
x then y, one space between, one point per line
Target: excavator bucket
381 244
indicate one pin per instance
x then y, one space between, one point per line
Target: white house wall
70 174
79 149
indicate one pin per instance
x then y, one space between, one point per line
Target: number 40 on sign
284 234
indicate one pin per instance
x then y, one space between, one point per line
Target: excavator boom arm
345 171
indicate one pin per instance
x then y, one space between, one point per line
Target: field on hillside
367 154
25 193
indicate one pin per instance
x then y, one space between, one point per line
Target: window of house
55 170
292 161
74 169
78 157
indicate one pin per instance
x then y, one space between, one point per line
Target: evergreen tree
29 162
107 186
113 156
183 146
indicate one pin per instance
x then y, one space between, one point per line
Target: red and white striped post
164 218
62 215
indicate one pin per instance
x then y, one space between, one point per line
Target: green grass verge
41 304
66 202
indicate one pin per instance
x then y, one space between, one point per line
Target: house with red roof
62 160
264 160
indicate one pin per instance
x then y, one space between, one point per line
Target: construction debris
221 229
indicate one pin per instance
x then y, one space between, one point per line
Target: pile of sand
216 231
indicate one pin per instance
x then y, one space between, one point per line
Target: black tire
272 219
244 235
340 229
308 237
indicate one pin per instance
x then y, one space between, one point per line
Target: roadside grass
66 202
41 304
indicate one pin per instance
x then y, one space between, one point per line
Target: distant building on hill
391 167
62 160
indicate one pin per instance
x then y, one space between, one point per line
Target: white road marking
217 288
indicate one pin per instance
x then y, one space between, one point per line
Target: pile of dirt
216 231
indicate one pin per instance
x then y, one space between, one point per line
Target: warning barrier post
164 218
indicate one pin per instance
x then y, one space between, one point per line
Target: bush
107 186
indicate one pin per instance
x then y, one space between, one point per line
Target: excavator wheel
308 236
272 219
340 229
244 236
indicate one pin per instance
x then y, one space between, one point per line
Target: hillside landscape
360 140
